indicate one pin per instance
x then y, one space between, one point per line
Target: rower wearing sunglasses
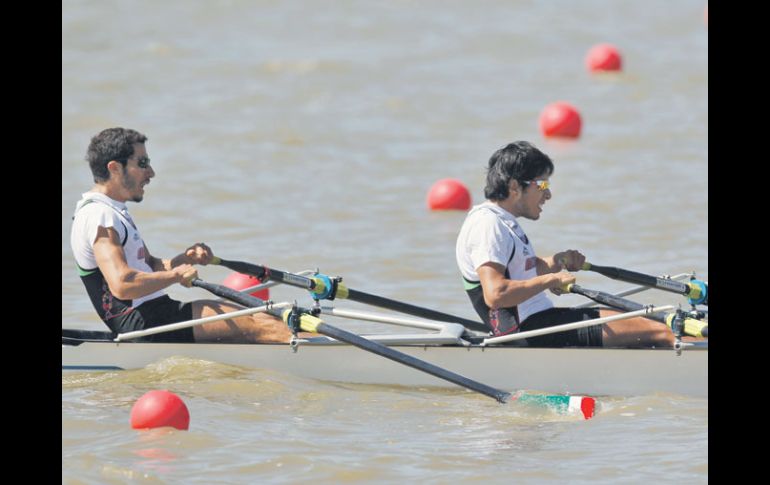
506 280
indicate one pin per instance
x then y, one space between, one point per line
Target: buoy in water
560 119
449 194
604 57
240 281
160 408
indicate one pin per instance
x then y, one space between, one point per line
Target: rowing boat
450 355
592 371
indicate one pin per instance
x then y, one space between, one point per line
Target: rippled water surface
306 135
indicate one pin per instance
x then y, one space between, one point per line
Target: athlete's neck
507 205
110 190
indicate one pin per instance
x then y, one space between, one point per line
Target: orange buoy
240 281
160 408
449 194
604 57
560 119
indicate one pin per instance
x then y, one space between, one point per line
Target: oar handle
695 290
321 286
233 295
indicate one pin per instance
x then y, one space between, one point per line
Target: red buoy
560 119
604 57
449 194
160 408
240 281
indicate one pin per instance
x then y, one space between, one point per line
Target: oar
309 323
324 287
692 326
695 290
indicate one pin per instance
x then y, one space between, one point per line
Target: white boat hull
597 372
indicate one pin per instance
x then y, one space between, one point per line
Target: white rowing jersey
92 211
492 234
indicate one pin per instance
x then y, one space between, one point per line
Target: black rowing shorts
154 313
582 337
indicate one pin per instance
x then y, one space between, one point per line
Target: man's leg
635 332
255 328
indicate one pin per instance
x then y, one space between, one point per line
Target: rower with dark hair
506 280
123 280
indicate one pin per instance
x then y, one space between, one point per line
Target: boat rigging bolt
677 324
677 347
293 319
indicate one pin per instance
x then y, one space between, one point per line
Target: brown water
305 135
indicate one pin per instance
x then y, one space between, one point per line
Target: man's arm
128 283
571 260
198 253
501 292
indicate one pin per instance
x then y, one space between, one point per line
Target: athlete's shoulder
90 210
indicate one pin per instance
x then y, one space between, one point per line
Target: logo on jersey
530 263
140 253
505 323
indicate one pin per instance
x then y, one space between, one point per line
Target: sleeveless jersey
94 210
492 234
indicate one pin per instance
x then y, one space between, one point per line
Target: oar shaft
263 272
310 323
233 295
665 284
693 327
609 299
409 309
402 358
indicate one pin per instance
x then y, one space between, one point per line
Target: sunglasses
542 185
145 162
142 163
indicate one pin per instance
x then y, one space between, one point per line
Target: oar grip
216 260
586 266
